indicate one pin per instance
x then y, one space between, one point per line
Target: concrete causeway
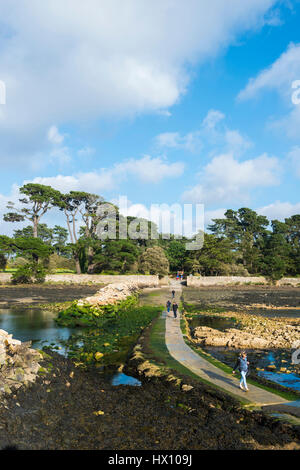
180 351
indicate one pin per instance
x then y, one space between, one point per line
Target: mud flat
33 294
260 300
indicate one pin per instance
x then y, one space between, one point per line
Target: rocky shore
110 294
70 408
254 332
18 363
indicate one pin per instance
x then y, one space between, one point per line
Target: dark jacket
175 307
241 364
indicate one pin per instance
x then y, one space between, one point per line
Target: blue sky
186 102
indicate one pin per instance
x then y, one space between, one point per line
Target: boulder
18 363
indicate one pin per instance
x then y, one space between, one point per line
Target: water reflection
36 325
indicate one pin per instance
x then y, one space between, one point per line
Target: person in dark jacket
175 308
242 365
168 305
173 294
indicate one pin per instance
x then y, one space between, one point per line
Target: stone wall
142 280
198 281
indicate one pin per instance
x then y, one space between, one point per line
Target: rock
186 388
18 363
111 294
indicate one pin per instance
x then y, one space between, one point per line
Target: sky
163 102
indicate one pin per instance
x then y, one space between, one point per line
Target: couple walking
174 307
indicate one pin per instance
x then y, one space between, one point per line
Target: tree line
241 243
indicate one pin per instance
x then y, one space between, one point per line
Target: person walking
175 308
242 365
173 294
168 306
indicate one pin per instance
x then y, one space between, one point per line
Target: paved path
204 369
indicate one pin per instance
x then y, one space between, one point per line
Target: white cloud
279 210
237 143
68 60
54 136
212 118
190 142
280 77
151 170
146 169
227 180
212 131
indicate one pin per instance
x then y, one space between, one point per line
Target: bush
61 263
29 273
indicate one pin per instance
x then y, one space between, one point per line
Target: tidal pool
38 325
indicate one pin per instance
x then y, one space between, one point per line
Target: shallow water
218 323
38 325
122 379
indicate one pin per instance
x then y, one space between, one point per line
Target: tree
39 199
33 249
3 261
154 261
43 232
176 254
275 256
216 252
80 203
115 255
245 229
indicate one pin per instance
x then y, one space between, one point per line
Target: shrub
29 273
57 262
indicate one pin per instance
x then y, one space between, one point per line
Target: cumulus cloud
68 60
145 169
151 170
225 179
279 210
212 132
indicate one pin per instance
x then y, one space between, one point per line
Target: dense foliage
241 243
